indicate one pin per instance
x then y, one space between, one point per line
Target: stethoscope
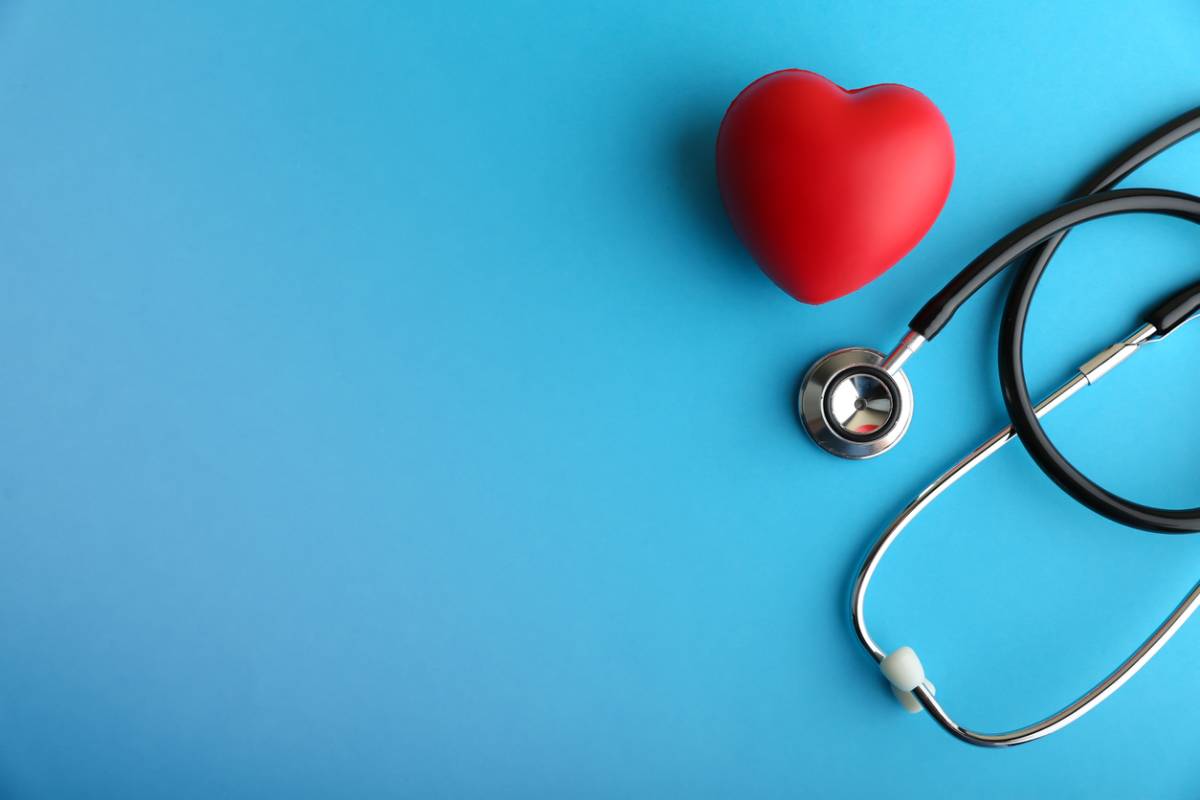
857 403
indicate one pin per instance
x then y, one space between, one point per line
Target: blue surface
388 410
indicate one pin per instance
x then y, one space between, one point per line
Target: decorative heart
829 188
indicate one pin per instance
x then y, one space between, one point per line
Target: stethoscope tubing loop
1048 231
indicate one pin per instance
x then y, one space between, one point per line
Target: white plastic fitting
903 669
904 672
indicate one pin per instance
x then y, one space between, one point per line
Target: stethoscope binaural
857 403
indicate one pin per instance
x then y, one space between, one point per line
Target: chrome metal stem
1088 374
1109 358
903 351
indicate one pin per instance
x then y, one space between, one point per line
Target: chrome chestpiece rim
852 407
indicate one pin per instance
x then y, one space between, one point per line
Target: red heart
828 188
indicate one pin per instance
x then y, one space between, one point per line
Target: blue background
389 410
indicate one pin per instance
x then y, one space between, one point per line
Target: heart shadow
693 154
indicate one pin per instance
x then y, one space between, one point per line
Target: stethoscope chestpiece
853 407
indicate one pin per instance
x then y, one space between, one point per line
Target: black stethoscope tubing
1038 239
